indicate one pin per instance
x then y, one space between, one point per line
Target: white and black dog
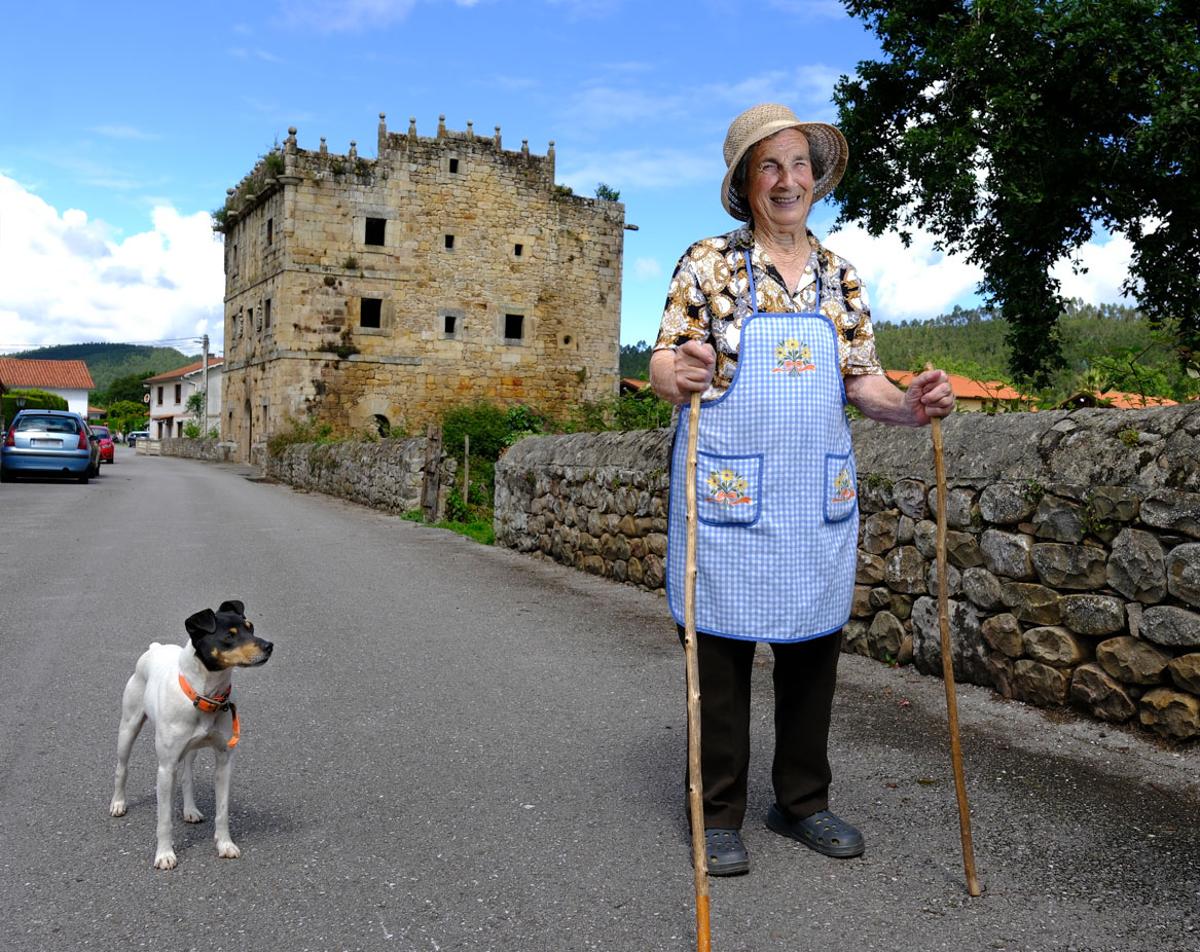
185 690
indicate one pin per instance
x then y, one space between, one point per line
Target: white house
70 379
167 398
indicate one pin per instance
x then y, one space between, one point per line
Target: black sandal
726 853
824 832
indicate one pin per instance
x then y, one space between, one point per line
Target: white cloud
916 282
67 280
647 168
919 282
1104 267
119 131
335 16
647 269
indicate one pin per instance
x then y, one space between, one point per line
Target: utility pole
204 423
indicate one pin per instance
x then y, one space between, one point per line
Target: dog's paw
117 808
165 860
192 816
227 849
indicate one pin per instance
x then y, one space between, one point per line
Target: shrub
299 431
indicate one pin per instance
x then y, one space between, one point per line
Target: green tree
128 387
607 194
127 415
1011 128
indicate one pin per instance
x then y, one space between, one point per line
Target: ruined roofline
282 165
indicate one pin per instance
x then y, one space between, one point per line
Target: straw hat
828 145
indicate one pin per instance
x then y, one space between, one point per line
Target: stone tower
372 294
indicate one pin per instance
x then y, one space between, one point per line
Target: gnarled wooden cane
960 783
695 801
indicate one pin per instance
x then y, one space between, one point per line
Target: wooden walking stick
695 801
960 783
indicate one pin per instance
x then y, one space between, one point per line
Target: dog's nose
268 647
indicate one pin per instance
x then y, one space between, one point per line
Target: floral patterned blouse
709 299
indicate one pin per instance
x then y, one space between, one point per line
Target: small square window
454 166
518 249
370 312
376 229
449 239
449 324
514 326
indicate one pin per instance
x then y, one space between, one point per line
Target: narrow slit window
449 239
514 326
267 313
370 312
376 229
270 230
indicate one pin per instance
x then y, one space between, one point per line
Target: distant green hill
109 362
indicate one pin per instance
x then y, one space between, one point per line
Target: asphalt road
460 748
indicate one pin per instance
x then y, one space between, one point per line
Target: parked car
107 444
48 443
132 438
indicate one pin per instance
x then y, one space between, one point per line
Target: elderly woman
774 331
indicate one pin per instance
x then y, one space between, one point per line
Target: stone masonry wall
386 475
212 451
1073 547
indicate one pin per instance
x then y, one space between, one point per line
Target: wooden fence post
431 483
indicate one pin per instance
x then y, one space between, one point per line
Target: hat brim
825 140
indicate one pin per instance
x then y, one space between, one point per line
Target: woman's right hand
676 374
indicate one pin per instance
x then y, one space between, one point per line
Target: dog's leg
164 854
226 848
133 716
191 812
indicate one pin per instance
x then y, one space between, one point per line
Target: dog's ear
201 624
233 605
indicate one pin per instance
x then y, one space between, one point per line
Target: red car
104 437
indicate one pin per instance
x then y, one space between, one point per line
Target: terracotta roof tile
184 371
965 387
57 374
1135 401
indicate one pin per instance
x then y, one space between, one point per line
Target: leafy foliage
607 194
635 360
127 415
32 399
299 431
1010 128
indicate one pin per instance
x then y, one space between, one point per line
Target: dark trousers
805 675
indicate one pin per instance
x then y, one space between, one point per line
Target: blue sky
123 124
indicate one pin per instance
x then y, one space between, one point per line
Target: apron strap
754 291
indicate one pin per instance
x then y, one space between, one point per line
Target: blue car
49 443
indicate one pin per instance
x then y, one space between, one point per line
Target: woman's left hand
928 396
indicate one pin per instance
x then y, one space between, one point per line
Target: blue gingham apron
776 489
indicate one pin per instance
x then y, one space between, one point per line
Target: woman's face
779 182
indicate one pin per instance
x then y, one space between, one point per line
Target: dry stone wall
1073 542
387 475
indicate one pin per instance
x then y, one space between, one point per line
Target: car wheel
5 476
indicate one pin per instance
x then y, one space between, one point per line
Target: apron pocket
841 487
728 489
